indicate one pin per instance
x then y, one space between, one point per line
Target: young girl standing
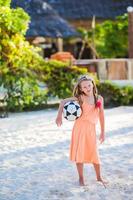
83 147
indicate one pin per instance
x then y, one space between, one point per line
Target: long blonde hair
77 89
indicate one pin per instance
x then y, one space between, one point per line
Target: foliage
25 94
109 38
115 95
18 60
59 77
13 21
5 2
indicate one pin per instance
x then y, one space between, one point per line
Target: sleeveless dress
83 148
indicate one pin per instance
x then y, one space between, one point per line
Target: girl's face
86 87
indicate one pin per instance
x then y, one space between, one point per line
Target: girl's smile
86 87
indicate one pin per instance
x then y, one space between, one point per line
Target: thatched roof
45 21
84 9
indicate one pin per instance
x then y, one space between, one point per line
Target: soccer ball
71 110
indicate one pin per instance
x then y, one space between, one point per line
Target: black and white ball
72 110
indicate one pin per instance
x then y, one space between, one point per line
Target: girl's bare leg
80 173
98 174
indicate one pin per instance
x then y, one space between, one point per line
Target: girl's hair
77 89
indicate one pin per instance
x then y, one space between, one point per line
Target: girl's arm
102 121
60 110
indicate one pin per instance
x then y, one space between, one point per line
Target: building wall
87 23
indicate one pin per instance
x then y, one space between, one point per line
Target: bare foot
102 181
81 182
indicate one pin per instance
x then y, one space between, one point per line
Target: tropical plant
115 95
18 59
110 38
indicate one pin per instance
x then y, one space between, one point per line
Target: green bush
115 95
24 92
25 95
59 78
110 38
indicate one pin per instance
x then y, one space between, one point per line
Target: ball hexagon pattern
72 110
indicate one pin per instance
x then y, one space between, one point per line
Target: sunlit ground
34 158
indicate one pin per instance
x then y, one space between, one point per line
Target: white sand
34 158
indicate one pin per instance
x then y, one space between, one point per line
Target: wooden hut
48 17
52 19
45 23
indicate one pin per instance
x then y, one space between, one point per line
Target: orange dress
83 147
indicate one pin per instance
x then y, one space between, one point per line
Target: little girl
83 147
